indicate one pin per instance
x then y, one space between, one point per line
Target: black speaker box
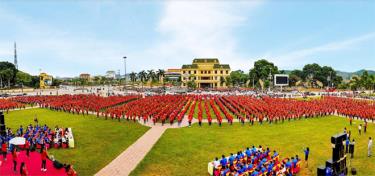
338 152
338 139
321 171
2 125
353 171
2 121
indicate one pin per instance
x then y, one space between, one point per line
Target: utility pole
125 74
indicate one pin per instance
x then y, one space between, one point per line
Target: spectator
4 150
347 142
369 147
307 152
71 171
23 170
15 158
351 148
44 160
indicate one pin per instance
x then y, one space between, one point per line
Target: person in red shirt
27 147
15 158
4 150
71 171
23 170
44 160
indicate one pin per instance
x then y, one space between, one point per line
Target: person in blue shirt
294 161
248 152
255 173
275 154
238 157
254 149
231 158
21 130
263 169
250 166
347 142
270 167
307 152
288 164
223 161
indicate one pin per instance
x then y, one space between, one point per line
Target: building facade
85 76
45 80
205 73
173 74
110 74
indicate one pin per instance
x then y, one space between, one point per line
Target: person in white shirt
216 163
369 147
359 129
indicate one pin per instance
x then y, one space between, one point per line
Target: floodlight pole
125 74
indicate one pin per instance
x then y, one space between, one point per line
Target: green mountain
348 75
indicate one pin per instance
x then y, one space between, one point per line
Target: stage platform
33 165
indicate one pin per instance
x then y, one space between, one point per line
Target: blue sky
66 38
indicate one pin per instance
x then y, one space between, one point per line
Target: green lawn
97 141
187 151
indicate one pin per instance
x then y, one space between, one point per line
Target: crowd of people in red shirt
171 108
76 103
7 105
168 108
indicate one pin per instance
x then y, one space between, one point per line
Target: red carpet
33 165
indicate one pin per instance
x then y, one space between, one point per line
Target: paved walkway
128 160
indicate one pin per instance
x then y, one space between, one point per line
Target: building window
209 72
227 71
195 72
189 72
215 71
183 72
221 71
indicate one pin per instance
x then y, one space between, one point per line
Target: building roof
192 66
205 60
223 66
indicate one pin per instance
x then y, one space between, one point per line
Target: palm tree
133 77
142 75
160 73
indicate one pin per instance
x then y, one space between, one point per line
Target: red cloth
32 164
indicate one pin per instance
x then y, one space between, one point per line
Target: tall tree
11 72
262 69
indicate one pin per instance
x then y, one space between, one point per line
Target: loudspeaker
2 121
338 139
338 167
338 152
2 125
354 171
321 171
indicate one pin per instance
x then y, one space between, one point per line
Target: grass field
187 151
97 141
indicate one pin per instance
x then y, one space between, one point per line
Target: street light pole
125 73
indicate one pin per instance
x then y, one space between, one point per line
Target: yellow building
85 76
45 80
206 73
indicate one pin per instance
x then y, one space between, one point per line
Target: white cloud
192 29
302 55
186 30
